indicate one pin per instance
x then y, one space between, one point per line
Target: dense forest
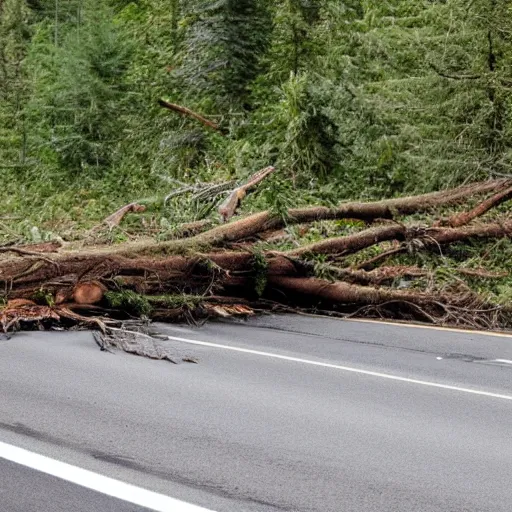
171 103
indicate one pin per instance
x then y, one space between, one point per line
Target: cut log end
89 293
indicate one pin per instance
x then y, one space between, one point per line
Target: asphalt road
281 414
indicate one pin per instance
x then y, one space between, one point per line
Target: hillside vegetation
168 106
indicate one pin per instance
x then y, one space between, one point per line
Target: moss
130 302
176 301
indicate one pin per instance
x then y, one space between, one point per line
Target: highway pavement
280 413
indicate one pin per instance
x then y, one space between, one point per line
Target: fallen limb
23 276
345 293
482 273
174 280
264 221
190 113
464 218
439 308
428 236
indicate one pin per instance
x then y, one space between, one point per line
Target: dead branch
464 218
228 208
72 280
482 273
345 293
115 219
189 113
361 277
20 251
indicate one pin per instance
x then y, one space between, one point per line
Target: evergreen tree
223 48
293 42
425 107
79 96
14 39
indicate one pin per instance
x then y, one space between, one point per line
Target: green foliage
176 301
293 41
260 268
424 113
347 98
14 41
295 133
76 104
44 297
224 42
129 301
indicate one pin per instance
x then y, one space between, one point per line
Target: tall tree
14 39
79 96
223 47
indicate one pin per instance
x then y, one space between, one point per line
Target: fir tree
79 97
223 47
293 43
427 108
14 39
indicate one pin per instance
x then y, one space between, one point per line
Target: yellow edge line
496 334
431 327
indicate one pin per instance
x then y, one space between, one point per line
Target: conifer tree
79 97
223 47
428 105
293 44
14 39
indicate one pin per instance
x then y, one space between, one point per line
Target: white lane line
94 481
343 368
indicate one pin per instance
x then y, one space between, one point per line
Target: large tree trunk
57 286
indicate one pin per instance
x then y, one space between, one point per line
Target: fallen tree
196 276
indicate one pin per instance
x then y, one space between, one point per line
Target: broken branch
228 208
190 113
115 219
461 219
